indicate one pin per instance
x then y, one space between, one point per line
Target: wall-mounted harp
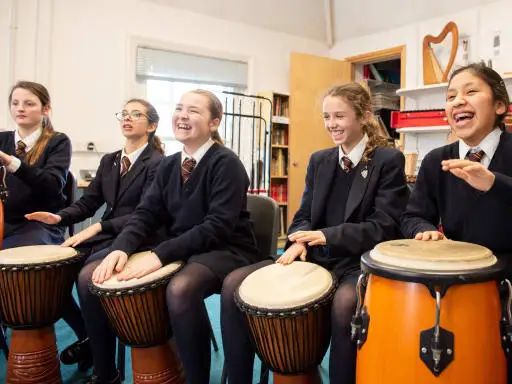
433 73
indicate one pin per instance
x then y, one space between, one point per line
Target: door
310 77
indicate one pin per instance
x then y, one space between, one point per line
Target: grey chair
265 217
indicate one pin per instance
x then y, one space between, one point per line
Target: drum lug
359 326
506 319
361 319
436 344
436 352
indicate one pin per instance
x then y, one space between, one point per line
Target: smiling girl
460 184
199 196
353 199
37 160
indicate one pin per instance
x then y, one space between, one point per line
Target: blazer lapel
363 174
323 180
114 176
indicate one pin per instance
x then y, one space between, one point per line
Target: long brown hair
216 110
494 81
43 95
361 102
153 118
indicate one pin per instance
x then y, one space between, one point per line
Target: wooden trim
382 55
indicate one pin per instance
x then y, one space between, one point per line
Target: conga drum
430 314
288 308
35 284
137 311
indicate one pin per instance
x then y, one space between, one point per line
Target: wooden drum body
137 310
288 312
431 315
35 284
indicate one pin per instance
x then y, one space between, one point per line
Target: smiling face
192 121
470 107
341 121
135 124
27 110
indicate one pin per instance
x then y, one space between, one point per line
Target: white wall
84 52
479 23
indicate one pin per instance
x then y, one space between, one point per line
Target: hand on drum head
473 173
115 260
310 237
141 267
44 217
429 235
294 251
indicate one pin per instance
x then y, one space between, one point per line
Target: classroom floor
71 376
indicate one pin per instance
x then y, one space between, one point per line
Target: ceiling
306 18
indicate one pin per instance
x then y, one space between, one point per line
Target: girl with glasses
121 180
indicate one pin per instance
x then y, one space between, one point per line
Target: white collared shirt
197 155
488 145
134 155
29 141
356 154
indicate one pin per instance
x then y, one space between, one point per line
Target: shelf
282 146
280 120
278 177
282 203
440 128
411 91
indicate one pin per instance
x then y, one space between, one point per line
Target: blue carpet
70 375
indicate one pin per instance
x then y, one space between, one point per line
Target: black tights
191 326
239 352
102 338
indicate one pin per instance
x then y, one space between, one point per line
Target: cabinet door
310 77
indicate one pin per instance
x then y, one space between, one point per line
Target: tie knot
20 148
346 164
187 167
125 165
475 155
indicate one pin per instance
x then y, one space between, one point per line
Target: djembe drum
137 310
288 312
430 314
35 284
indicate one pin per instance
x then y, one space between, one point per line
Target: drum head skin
114 284
280 286
36 254
410 259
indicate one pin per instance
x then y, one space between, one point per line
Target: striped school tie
346 164
125 165
20 148
475 156
187 167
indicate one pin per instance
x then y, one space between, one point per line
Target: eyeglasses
134 115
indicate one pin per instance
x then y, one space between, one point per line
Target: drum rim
370 265
288 312
133 290
46 265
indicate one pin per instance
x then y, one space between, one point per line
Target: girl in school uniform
353 199
467 185
37 160
199 195
121 180
461 183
